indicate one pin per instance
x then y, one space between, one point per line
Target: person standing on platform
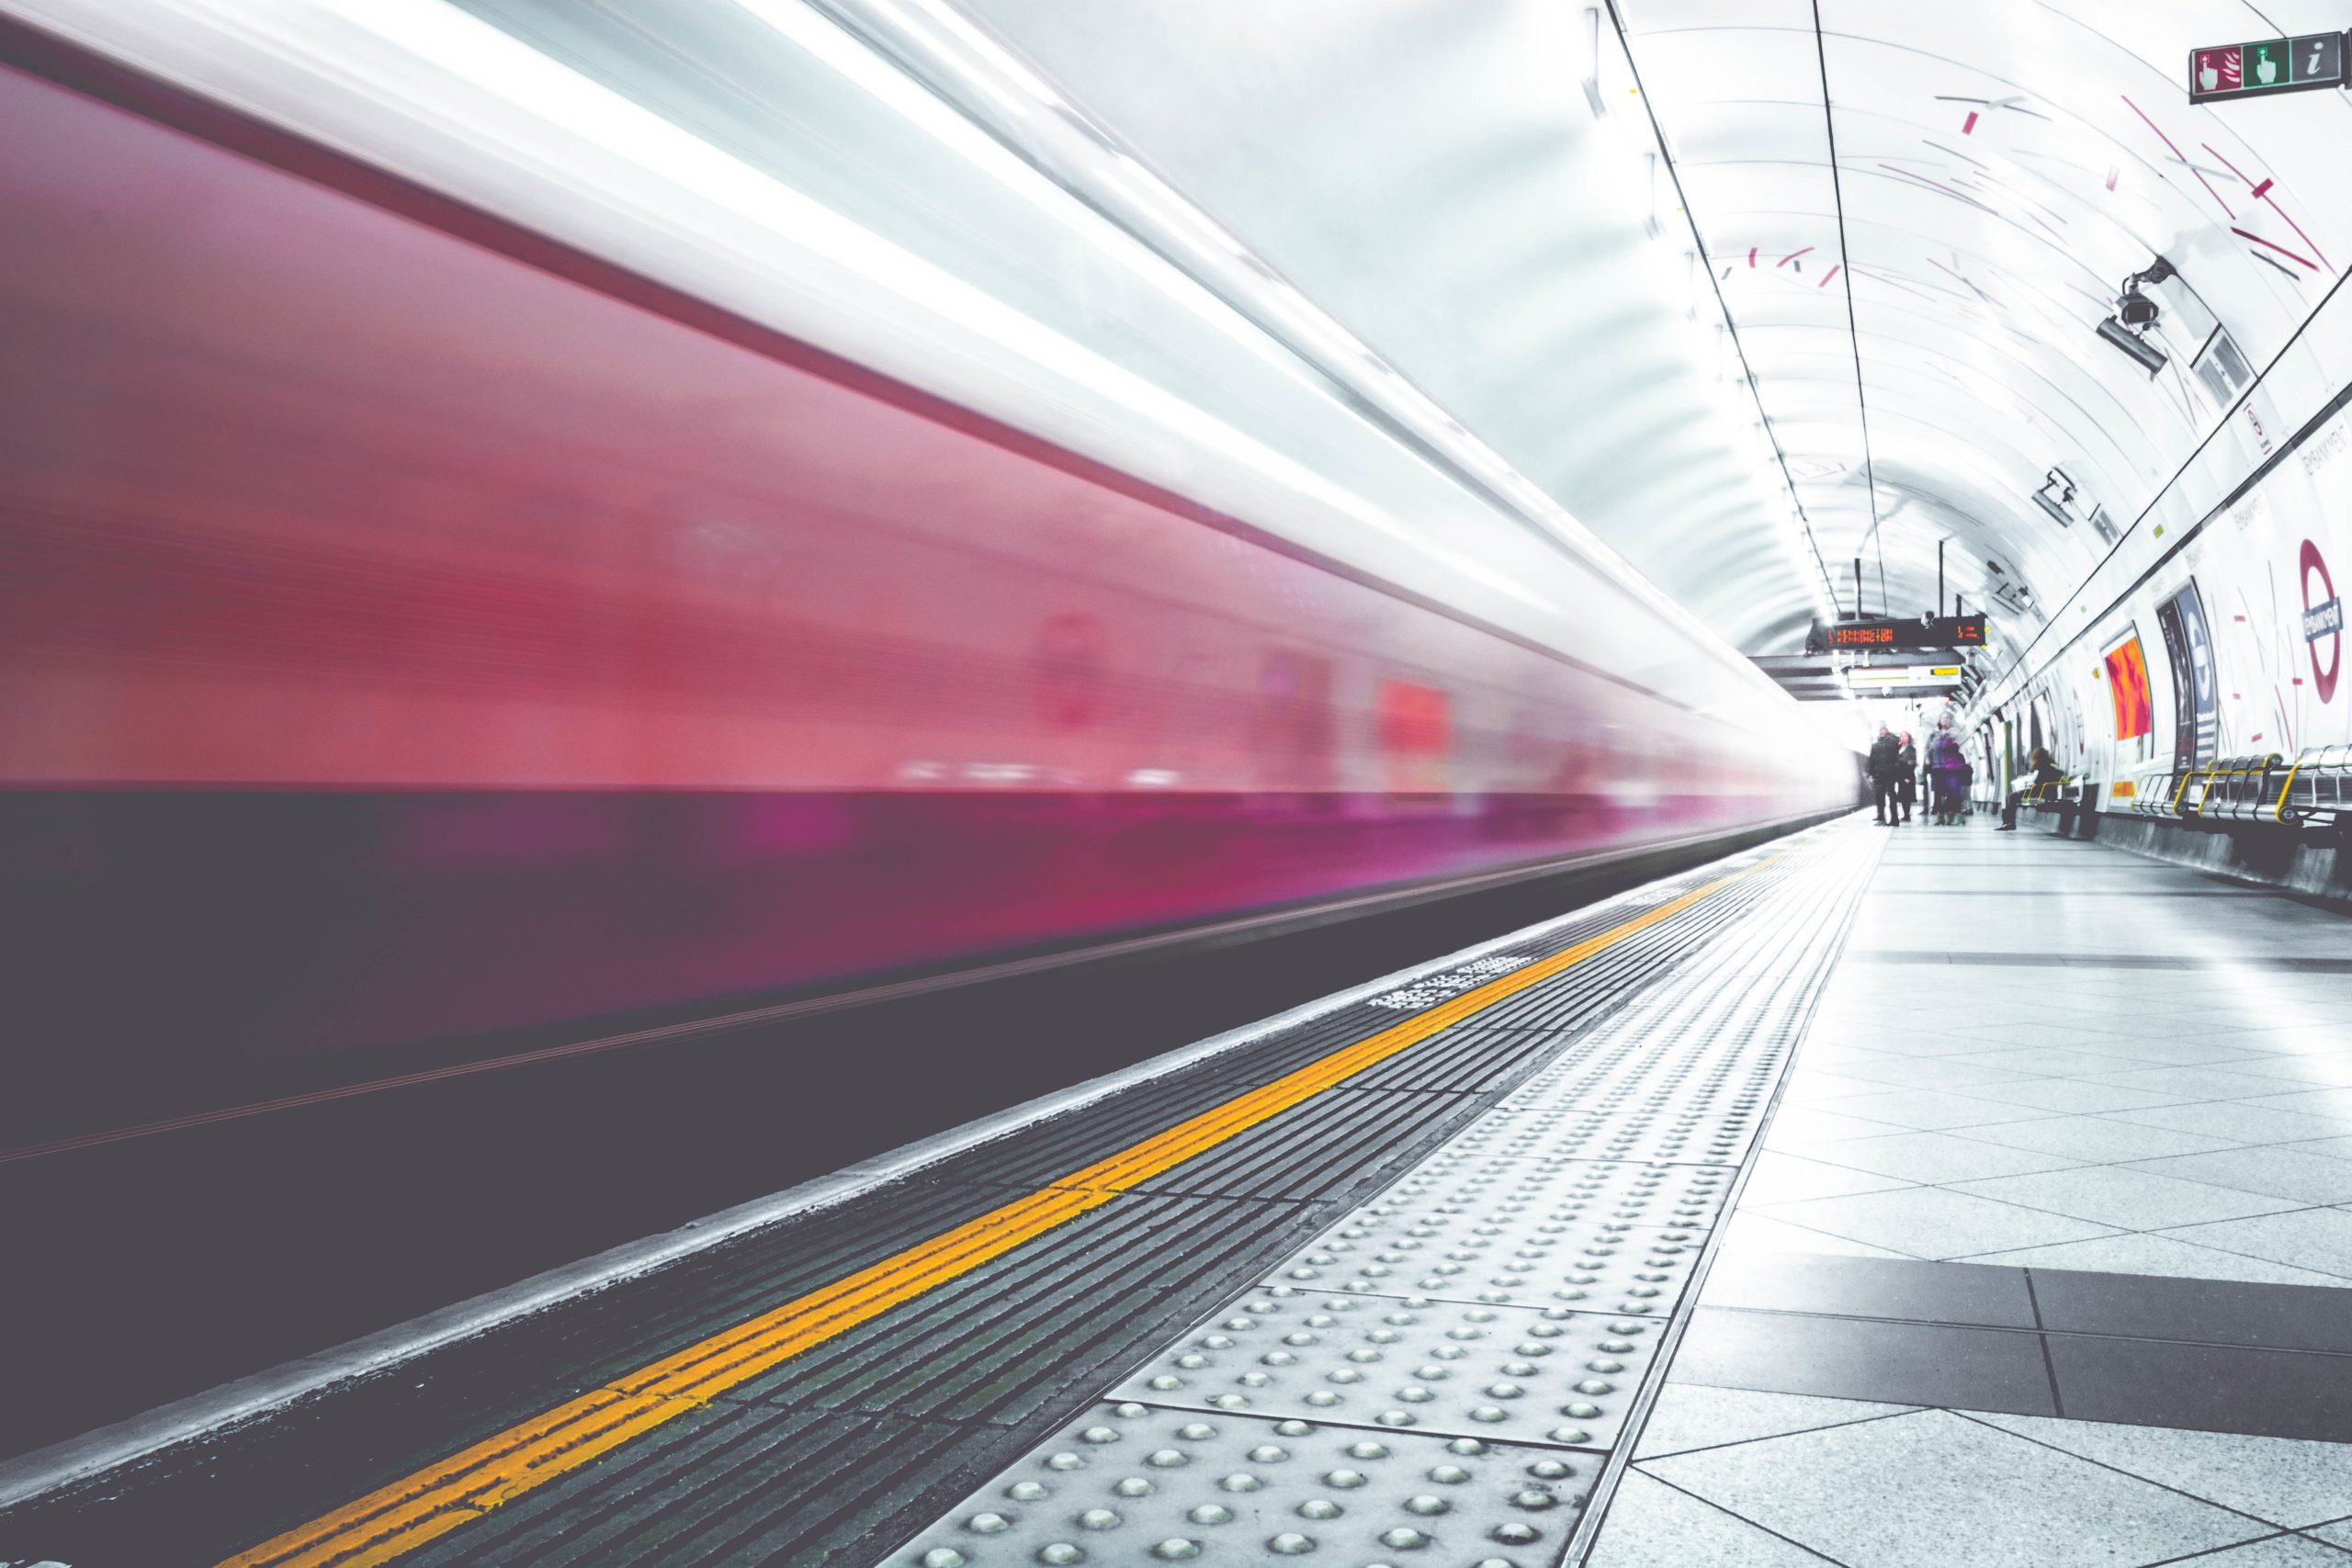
1944 765
1885 769
1908 785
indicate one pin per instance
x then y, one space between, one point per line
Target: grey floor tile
2323 1101
2193 1083
1795 1126
1936 1072
2160 1255
1858 1358
2075 1097
2204 1388
2340 1533
1938 1158
2279 1171
2287 1481
2304 1238
1780 1177
2240 1121
1934 1222
2096 1140
2277 1552
1924 1044
2058 1062
2332 1068
1826 1088
2132 1200
2281 1316
2334 1148
2197 1051
1938 1111
1912 1291
1934 1489
1838 1058
1750 1230
1652 1525
1691 1415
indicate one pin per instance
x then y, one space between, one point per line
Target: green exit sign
2270 65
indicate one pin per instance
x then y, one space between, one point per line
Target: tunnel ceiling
1915 215
1918 213
1433 175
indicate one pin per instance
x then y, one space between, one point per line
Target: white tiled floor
1731 1477
2192 1122
2147 1121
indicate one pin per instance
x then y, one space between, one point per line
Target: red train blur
403 641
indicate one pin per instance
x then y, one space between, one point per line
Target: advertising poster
2127 687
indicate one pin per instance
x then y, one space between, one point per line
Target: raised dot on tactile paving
1167 1458
1210 1513
1290 1543
988 1524
1060 1552
1319 1509
1026 1491
1176 1549
1099 1520
1241 1481
1133 1486
1452 1474
943 1557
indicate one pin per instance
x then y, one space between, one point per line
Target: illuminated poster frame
2196 700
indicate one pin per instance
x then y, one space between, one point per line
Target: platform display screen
1922 631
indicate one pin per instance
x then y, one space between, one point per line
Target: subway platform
1869 1197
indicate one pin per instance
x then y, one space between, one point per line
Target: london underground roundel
2322 622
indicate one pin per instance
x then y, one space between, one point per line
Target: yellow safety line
398 1518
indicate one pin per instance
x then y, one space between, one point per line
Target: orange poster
2127 683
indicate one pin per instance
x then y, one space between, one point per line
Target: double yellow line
417 1509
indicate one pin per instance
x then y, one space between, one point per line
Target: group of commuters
1897 776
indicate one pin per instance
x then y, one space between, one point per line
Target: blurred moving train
429 609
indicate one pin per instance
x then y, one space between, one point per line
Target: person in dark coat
1885 767
2039 770
1908 785
1947 769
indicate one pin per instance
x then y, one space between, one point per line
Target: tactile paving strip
1529 1374
1593 1234
1511 1301
1130 1483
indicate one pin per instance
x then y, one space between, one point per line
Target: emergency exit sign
2270 65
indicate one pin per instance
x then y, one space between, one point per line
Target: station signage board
1918 632
2257 70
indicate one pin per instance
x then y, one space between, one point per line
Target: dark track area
157 1266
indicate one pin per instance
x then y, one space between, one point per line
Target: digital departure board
1863 634
1921 631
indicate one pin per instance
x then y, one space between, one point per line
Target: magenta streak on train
400 641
